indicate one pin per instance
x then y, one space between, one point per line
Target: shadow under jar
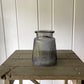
44 49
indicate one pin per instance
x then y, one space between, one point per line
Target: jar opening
43 31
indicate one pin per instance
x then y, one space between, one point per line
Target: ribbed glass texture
44 49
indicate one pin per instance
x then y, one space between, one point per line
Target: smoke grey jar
44 49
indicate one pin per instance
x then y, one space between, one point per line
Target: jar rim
44 31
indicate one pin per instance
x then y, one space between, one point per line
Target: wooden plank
48 77
26 62
30 51
66 68
75 68
10 28
63 23
20 72
3 71
36 73
44 11
44 71
59 71
28 54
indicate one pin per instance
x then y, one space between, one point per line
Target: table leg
82 81
76 81
20 81
66 82
9 81
35 82
79 82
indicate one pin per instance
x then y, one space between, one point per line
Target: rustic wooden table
19 66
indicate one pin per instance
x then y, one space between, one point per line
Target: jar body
44 51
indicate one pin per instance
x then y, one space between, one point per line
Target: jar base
41 64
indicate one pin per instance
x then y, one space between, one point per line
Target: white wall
19 20
79 29
27 22
44 9
63 13
2 41
10 27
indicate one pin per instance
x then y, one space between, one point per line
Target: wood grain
68 66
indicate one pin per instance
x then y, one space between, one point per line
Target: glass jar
44 49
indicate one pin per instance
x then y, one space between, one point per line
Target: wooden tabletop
19 66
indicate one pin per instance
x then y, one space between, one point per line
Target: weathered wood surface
19 66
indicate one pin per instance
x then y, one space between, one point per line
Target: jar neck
44 34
